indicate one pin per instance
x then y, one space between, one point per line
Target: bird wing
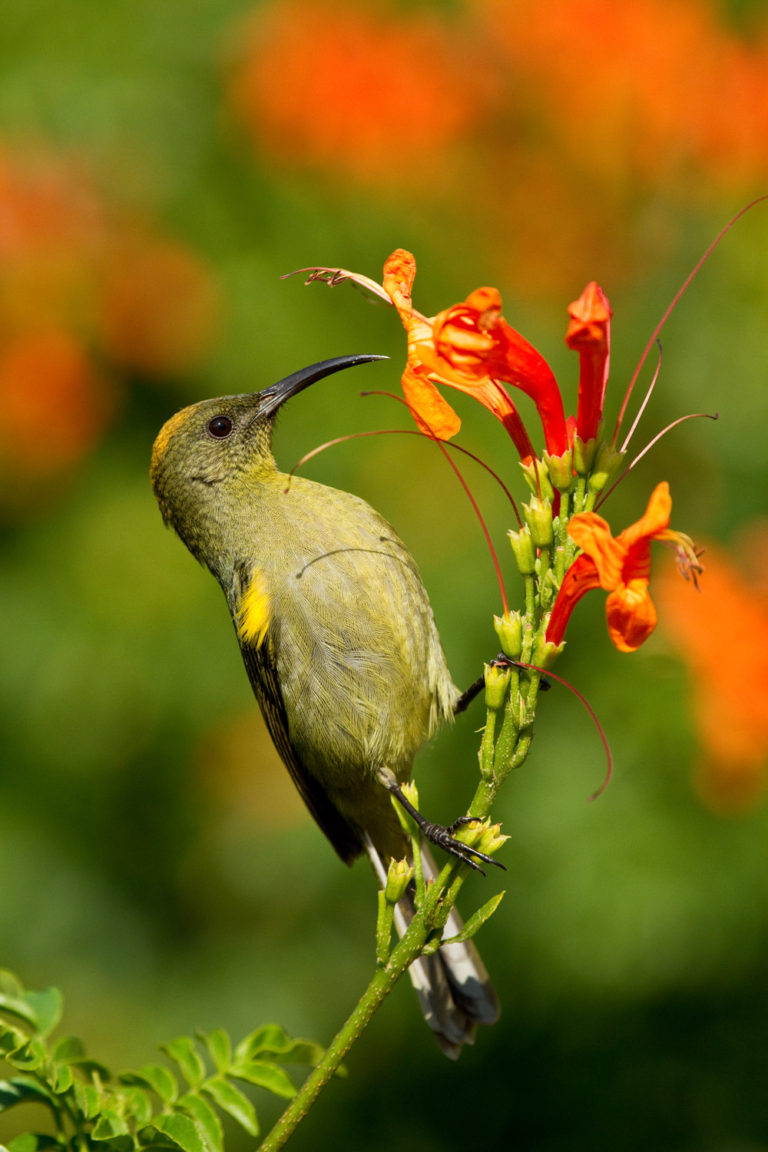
261 666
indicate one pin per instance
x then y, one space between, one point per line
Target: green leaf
28 1057
185 1054
32 1142
21 1090
151 1138
87 1098
476 920
303 1052
124 1143
10 1040
109 1125
10 985
62 1078
219 1046
232 1101
208 1123
266 1075
181 1130
136 1105
272 1040
157 1077
68 1049
40 1010
18 1007
47 1007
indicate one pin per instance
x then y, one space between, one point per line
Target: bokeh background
161 166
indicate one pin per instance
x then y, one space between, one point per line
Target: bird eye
220 427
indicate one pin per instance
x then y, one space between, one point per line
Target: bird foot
443 836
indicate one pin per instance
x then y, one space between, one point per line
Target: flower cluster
564 549
595 101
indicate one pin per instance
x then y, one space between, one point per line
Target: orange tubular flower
589 334
471 347
622 566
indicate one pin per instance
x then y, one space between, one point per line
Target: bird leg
437 833
467 697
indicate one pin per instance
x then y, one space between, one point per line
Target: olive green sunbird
339 642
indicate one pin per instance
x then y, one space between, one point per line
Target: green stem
530 597
372 998
409 948
564 513
579 495
439 898
73 1114
384 927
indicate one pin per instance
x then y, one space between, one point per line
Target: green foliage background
155 864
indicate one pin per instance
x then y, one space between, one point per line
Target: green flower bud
509 630
538 517
583 454
482 835
411 792
496 684
399 877
546 653
536 476
605 466
406 821
525 553
560 469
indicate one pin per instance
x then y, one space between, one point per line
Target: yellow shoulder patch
253 617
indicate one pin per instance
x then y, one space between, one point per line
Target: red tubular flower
589 334
472 348
620 565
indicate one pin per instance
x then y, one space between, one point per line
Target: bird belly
339 606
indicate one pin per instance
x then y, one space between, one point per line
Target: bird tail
454 990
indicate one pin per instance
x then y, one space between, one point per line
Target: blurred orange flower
157 306
723 639
517 116
616 115
655 89
55 405
52 231
621 565
357 90
80 283
47 209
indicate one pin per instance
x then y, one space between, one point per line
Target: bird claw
440 835
443 837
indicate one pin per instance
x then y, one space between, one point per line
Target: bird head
210 451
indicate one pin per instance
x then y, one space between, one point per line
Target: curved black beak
276 395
